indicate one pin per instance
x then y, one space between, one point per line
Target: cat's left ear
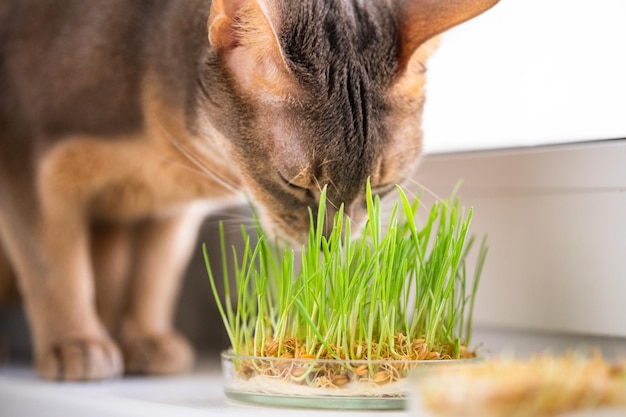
246 32
421 20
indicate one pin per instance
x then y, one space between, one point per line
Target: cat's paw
158 354
80 359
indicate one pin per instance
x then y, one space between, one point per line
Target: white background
526 73
529 72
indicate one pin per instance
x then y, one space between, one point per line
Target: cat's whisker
353 223
327 162
320 189
421 186
241 220
208 171
317 184
328 201
188 168
236 226
332 184
331 204
231 215
301 173
233 219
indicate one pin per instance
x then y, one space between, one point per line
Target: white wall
529 72
555 218
538 72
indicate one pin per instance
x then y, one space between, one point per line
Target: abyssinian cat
121 119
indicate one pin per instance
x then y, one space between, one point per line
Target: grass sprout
398 292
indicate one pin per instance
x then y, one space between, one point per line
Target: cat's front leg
48 247
111 255
163 248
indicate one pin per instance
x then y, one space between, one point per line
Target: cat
123 121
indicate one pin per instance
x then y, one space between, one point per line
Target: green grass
393 292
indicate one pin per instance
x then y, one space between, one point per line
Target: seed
382 377
361 370
432 355
271 349
422 352
306 356
399 367
463 351
284 362
340 380
296 375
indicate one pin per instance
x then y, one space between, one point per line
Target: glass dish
541 386
317 383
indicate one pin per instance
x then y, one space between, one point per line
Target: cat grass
397 291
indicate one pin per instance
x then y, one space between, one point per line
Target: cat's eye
292 185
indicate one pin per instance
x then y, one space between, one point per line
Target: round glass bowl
317 383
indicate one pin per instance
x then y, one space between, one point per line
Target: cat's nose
353 214
329 220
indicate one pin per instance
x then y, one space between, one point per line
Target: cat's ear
423 19
246 32
235 22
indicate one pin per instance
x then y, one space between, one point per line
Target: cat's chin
276 234
280 230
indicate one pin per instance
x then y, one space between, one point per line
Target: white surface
529 72
200 394
556 224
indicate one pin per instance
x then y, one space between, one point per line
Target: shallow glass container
321 383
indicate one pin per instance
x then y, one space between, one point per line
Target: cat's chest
134 177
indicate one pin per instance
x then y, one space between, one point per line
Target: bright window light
529 72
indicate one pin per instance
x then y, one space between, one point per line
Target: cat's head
322 92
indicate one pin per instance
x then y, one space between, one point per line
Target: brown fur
122 121
8 288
